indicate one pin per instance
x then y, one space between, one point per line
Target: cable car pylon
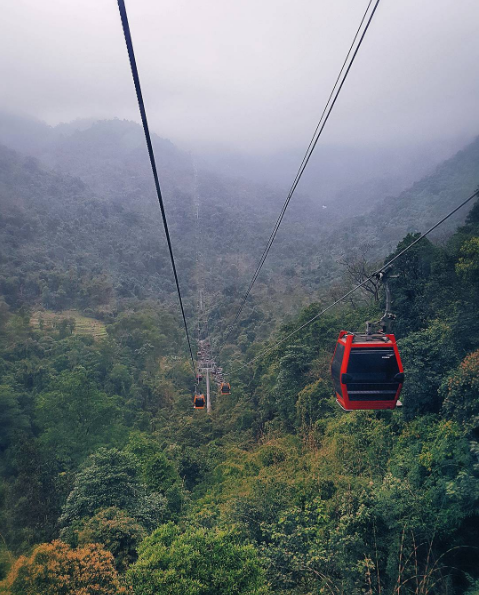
206 365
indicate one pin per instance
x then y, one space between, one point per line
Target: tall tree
112 478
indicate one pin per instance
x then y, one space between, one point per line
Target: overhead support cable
346 295
141 105
333 97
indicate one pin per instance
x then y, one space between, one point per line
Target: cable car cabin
367 371
199 401
225 388
199 378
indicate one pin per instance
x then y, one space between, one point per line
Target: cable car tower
206 365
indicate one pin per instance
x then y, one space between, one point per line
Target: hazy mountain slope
236 216
111 222
53 225
422 205
334 172
56 229
111 157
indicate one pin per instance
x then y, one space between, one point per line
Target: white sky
251 75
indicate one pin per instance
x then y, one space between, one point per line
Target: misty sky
251 75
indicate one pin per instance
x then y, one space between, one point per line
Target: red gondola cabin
367 371
225 388
199 401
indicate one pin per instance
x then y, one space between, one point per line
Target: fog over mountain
233 94
338 174
251 77
90 199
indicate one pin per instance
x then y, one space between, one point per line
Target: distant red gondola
225 388
367 371
199 401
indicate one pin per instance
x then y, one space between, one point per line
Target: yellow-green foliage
56 569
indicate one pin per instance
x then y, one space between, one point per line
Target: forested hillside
111 483
417 208
108 160
89 202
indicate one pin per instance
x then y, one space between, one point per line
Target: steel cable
346 295
312 145
141 105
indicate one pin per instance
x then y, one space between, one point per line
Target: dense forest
111 483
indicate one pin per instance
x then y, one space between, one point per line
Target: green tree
196 562
120 379
35 494
290 380
158 473
467 266
295 549
111 478
117 532
13 420
413 271
426 501
460 392
75 417
314 402
426 355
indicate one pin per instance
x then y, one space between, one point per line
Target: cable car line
206 365
313 141
346 295
312 145
141 105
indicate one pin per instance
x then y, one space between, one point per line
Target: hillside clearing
84 325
